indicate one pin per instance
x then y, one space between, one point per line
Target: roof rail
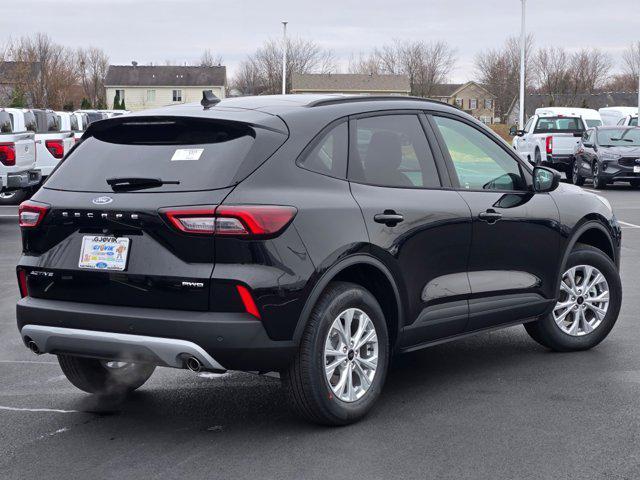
369 98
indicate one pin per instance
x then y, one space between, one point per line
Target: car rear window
6 125
30 123
73 122
559 125
187 153
593 123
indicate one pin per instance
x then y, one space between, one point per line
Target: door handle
390 218
490 216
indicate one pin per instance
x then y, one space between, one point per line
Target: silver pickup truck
18 174
550 141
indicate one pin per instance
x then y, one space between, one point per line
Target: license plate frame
103 253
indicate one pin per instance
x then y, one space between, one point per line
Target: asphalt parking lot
496 405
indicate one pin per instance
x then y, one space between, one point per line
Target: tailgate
162 266
25 148
565 144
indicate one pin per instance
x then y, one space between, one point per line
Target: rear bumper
18 180
558 161
229 341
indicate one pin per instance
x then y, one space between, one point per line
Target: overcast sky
179 30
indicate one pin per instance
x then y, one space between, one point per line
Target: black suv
608 155
312 236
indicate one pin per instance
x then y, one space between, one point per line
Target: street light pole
523 39
284 58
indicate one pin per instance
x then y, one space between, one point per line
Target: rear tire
14 197
537 158
317 393
635 183
549 332
95 376
576 178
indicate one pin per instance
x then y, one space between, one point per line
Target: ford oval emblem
102 200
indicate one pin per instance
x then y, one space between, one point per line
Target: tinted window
48 122
633 122
199 154
329 155
30 122
619 137
392 151
481 164
73 121
6 126
593 123
93 117
559 125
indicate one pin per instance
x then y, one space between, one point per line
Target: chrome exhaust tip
194 364
33 346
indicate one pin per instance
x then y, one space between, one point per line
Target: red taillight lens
253 219
247 301
243 220
30 214
22 283
55 147
8 154
549 145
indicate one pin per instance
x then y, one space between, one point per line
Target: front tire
635 183
598 182
340 367
538 158
101 377
576 178
588 303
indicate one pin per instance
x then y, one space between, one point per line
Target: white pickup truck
18 175
550 141
71 122
51 142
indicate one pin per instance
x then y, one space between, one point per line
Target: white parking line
29 361
38 410
7 215
633 225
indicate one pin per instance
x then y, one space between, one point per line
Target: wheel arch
592 232
370 273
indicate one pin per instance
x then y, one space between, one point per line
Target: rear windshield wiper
623 139
137 183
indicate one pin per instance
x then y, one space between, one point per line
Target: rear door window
6 125
73 120
187 154
392 151
30 122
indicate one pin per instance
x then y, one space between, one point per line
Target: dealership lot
495 405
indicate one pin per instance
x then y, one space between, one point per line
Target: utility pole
523 40
284 58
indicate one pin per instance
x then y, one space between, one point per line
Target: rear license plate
636 169
104 253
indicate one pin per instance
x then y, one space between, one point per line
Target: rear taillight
549 145
234 220
22 283
247 300
8 154
31 214
55 147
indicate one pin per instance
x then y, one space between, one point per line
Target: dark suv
312 236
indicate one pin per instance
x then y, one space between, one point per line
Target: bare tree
631 60
92 64
208 59
622 82
426 64
589 70
552 70
262 71
499 71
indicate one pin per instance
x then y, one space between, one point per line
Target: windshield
593 123
619 137
179 153
559 125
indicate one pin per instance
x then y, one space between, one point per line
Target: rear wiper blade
137 183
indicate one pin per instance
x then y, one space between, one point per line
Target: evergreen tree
116 101
18 99
85 105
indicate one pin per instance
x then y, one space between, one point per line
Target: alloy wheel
351 354
583 300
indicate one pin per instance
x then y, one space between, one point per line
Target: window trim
173 94
319 137
384 113
455 181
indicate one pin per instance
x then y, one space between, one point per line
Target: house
350 83
578 100
471 97
143 87
17 75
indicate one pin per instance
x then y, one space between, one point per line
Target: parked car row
33 141
583 143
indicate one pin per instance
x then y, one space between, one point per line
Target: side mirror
545 180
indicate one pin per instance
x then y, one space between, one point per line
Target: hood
623 151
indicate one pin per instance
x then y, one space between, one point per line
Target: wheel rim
6 195
575 171
596 173
583 301
351 355
116 365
